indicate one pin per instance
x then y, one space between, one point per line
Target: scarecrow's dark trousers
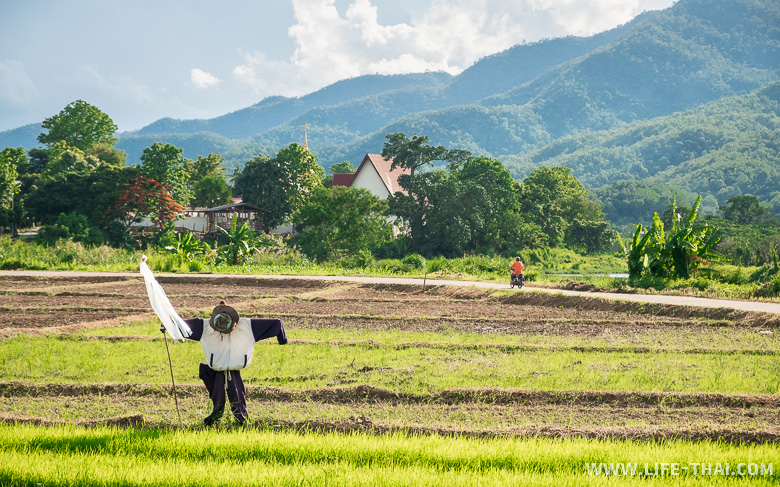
215 384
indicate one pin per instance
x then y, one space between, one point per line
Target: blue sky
141 60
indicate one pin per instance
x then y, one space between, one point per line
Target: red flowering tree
146 198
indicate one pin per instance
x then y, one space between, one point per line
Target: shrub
770 289
393 266
438 264
359 260
415 261
51 234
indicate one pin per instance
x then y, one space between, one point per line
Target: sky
142 60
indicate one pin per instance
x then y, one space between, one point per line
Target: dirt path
761 307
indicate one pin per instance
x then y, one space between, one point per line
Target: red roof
382 166
343 179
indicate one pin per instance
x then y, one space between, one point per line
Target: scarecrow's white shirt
228 351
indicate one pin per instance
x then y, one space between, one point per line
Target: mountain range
675 97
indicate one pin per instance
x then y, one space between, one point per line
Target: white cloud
16 88
326 41
584 18
440 35
203 79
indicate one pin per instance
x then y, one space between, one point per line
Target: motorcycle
516 280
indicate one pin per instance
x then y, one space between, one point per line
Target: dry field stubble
359 315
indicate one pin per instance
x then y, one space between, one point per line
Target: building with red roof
375 175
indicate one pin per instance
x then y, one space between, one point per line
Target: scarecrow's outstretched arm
262 329
196 325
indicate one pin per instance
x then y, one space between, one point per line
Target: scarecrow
228 343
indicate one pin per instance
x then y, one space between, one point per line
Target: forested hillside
725 148
652 100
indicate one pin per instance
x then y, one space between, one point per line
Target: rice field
385 385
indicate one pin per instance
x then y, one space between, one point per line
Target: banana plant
241 243
689 245
676 254
187 246
635 253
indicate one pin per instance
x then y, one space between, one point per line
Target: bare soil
46 305
484 412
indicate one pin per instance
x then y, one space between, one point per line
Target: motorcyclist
517 270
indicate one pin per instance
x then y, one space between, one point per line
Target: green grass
101 456
541 267
703 337
404 369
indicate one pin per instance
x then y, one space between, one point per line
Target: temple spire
305 141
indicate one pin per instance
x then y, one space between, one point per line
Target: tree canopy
79 125
281 184
165 164
339 222
554 199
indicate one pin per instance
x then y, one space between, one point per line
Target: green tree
427 204
10 159
279 185
490 202
109 155
39 158
301 171
211 165
340 222
90 194
590 236
261 183
415 153
745 210
165 164
211 191
343 167
79 125
64 159
553 198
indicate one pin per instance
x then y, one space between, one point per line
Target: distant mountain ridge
520 101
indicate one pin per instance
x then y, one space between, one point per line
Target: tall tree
417 207
211 191
340 221
491 204
165 164
302 173
205 166
146 198
553 198
261 183
415 153
80 125
745 210
279 185
10 159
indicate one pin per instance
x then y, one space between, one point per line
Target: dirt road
756 306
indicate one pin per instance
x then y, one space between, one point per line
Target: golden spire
305 141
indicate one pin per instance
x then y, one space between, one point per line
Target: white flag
175 326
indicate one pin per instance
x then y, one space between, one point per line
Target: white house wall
369 179
191 223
